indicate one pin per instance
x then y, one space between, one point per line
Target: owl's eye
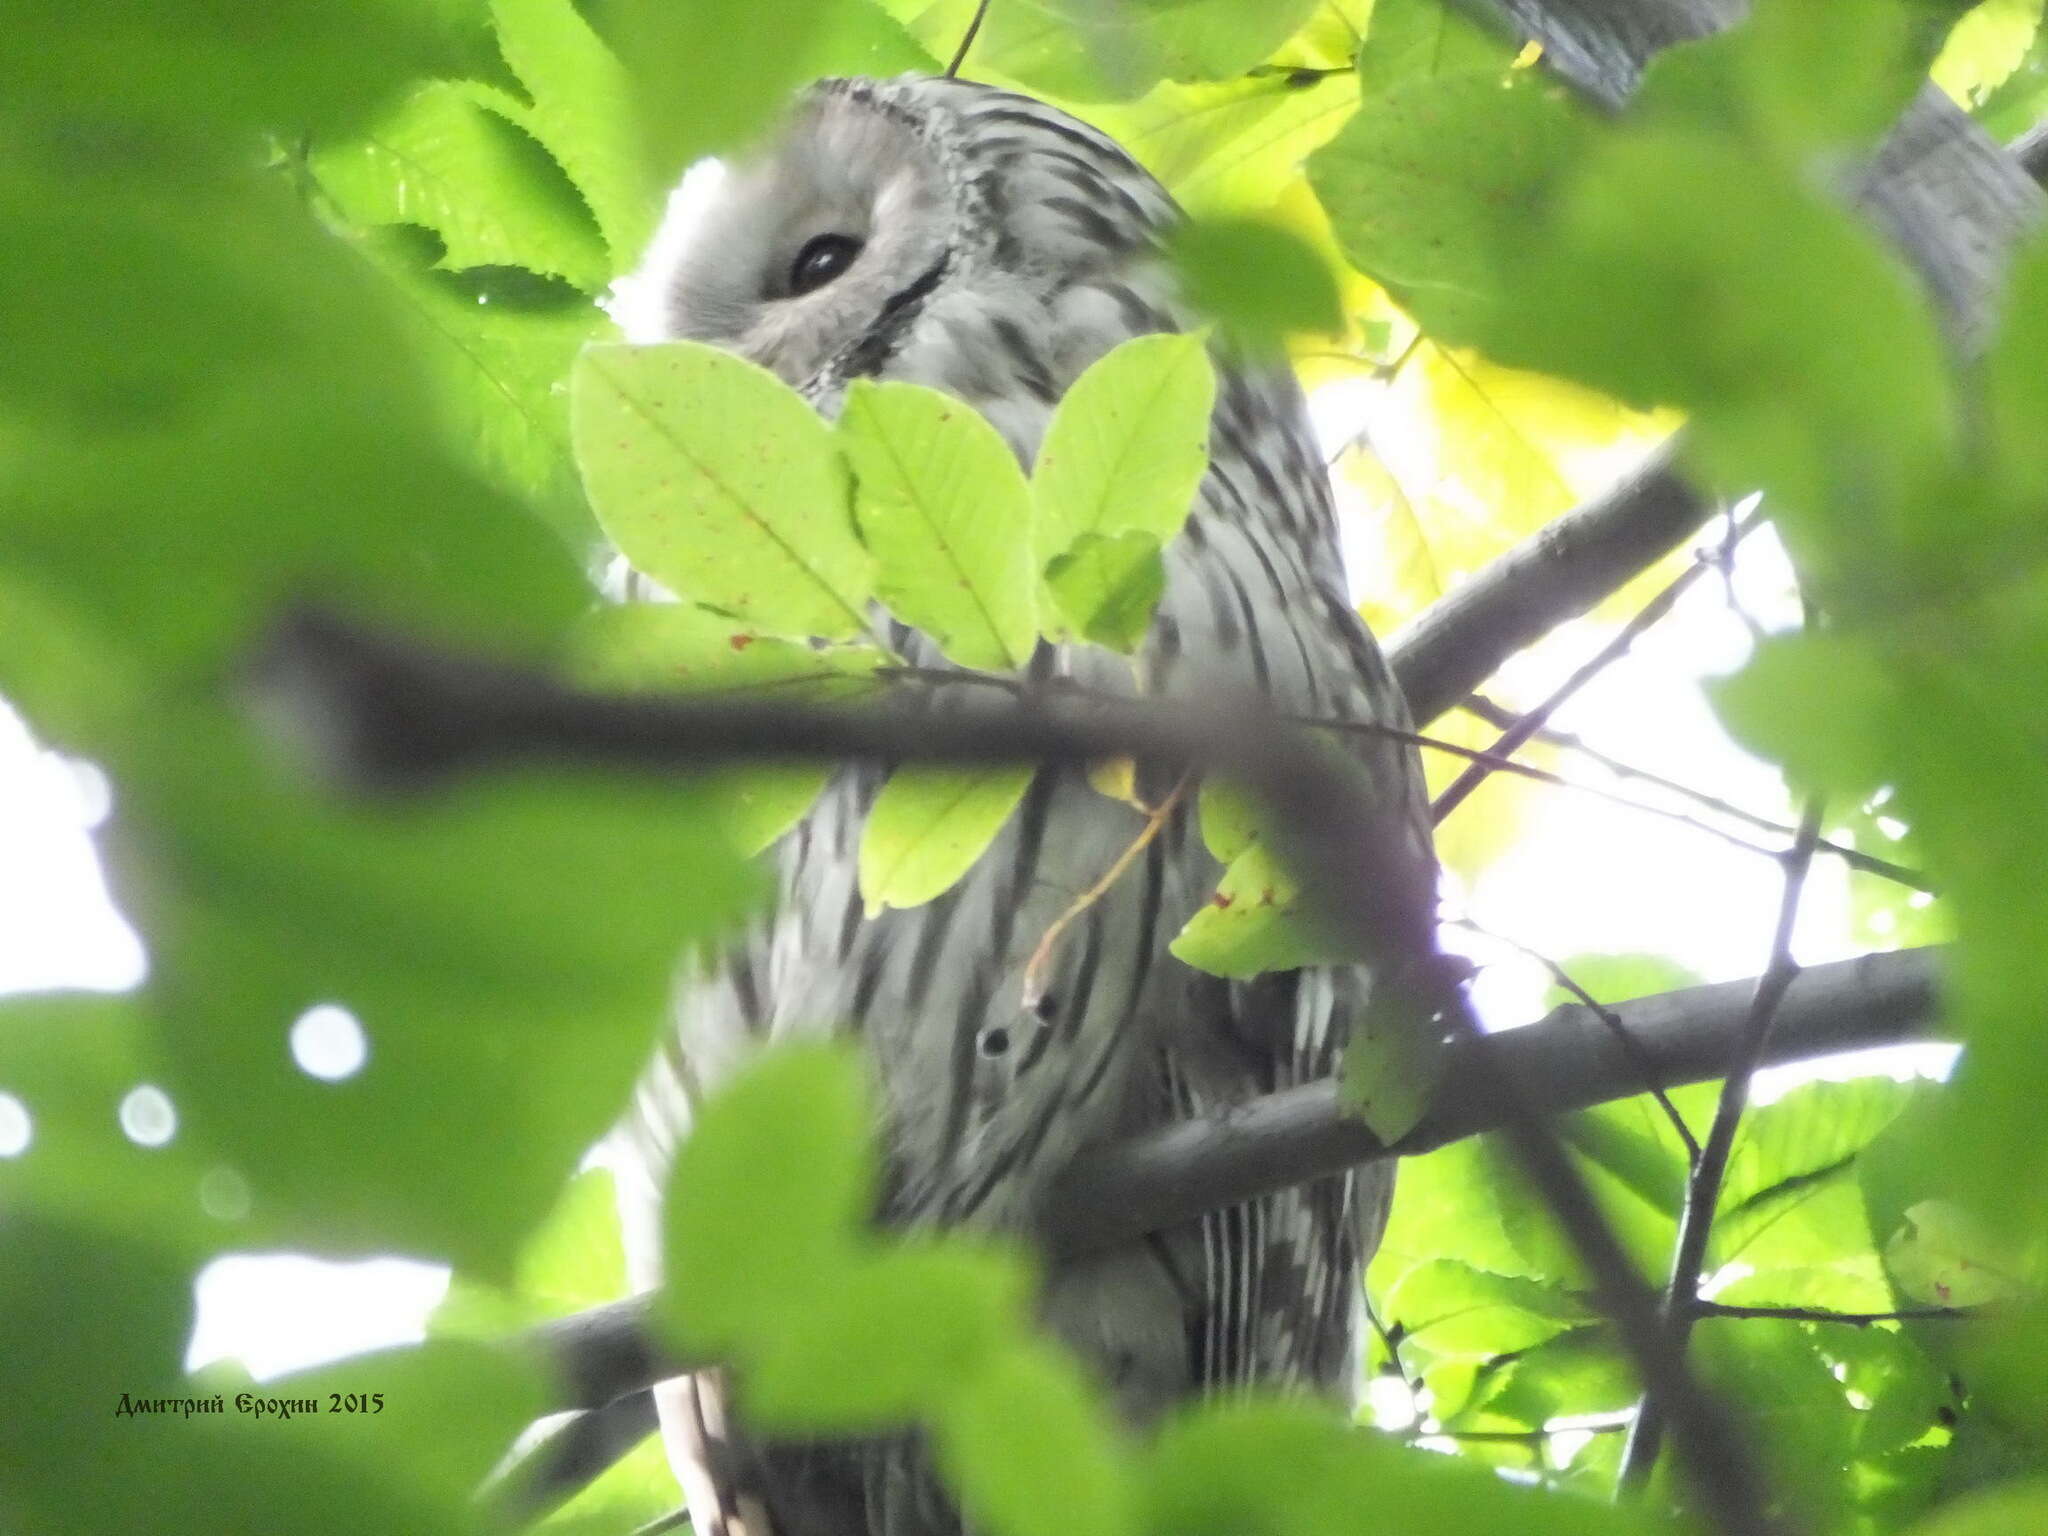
822 259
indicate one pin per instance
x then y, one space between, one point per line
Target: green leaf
1128 444
1393 1061
1410 38
450 159
106 1310
1821 704
2014 383
709 75
1221 149
206 65
1108 586
1230 821
720 482
574 1259
1797 77
505 947
1455 1310
1682 270
496 344
583 111
928 826
1033 1451
1943 1256
1218 39
1985 47
692 650
1252 923
450 1410
943 505
1435 186
1290 1469
767 1195
892 1337
1257 280
2015 1509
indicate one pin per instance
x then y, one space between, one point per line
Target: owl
984 244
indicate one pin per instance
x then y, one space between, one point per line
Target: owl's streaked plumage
984 244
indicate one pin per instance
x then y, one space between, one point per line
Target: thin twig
661 1525
1025 688
1041 955
1703 1189
395 714
1500 717
1612 1022
967 39
1515 736
1851 1319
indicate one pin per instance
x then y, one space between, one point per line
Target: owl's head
894 227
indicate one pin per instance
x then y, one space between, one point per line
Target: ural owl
989 246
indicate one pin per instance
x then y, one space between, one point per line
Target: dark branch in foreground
396 714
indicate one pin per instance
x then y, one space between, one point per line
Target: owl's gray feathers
1002 247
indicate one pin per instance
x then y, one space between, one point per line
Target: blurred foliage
291 304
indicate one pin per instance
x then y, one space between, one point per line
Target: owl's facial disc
818 251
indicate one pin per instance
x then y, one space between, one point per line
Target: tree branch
1568 1060
1703 1189
1560 572
1950 199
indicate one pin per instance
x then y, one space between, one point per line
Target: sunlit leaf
582 110
1985 47
928 826
720 482
943 506
1434 186
1128 444
1107 587
1408 38
450 159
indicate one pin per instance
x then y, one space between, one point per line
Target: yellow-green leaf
677 646
1107 586
928 825
1128 444
943 505
1252 923
721 482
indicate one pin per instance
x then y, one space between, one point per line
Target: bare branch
1560 572
1516 736
1566 1061
1500 717
1703 1190
1851 1319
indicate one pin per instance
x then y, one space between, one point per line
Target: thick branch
1951 200
1567 1061
1560 572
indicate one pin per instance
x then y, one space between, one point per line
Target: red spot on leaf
1223 901
740 642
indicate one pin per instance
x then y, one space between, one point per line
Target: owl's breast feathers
988 1093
